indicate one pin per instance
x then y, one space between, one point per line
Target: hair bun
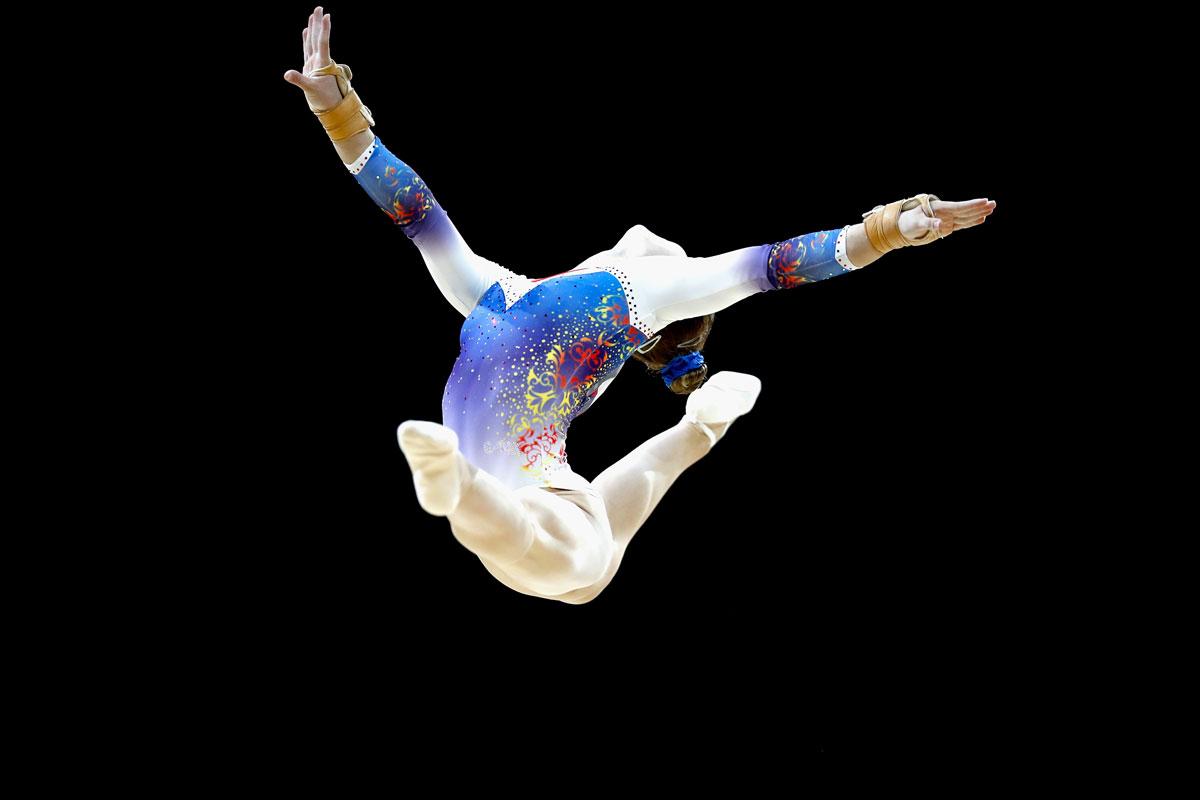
689 381
684 362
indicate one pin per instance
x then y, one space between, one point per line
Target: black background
848 563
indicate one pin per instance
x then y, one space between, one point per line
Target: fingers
964 212
307 49
969 214
966 204
955 216
313 23
961 224
314 35
323 40
958 209
973 215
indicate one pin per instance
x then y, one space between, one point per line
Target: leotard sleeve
672 287
460 274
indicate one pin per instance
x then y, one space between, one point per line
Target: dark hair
681 336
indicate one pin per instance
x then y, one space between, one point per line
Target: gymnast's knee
578 572
559 570
591 564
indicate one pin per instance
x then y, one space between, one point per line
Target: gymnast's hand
322 91
947 217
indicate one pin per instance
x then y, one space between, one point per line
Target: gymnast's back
537 352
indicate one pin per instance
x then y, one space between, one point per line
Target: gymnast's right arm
460 274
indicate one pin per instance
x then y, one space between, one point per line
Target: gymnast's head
674 354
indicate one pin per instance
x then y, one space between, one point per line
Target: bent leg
569 545
486 519
541 539
633 486
547 544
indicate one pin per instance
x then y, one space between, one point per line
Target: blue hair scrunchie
684 362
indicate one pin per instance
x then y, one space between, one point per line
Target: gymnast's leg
633 486
540 540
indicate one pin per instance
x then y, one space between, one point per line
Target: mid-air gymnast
535 353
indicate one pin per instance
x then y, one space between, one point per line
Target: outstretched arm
670 288
460 274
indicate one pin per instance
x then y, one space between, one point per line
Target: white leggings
566 544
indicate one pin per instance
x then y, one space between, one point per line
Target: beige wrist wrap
883 224
349 116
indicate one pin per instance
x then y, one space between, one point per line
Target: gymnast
535 353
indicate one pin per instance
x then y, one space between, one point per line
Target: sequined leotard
535 353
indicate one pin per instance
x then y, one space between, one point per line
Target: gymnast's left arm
669 288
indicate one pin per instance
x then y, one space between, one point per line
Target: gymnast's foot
723 398
439 469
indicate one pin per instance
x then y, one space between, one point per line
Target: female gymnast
535 353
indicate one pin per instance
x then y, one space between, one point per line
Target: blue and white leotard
535 353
